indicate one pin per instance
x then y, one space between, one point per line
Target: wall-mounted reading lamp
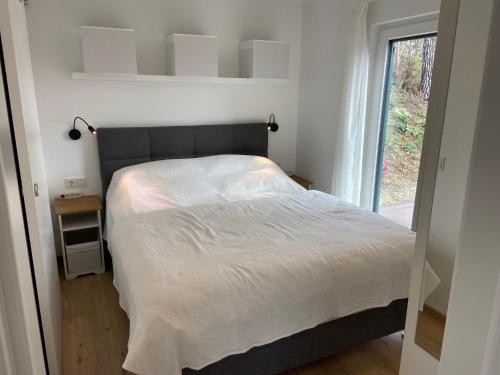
75 134
272 125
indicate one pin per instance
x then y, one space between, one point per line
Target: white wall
55 48
321 87
381 11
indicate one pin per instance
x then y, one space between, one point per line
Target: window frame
384 111
379 40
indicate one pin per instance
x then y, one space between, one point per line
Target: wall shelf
176 79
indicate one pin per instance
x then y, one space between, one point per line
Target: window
408 79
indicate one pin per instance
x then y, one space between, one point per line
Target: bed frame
120 147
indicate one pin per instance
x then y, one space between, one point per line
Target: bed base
121 147
312 344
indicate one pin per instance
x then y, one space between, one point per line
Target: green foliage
411 75
422 114
403 145
405 123
401 118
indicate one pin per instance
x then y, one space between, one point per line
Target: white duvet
214 256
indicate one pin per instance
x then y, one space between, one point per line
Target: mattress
229 253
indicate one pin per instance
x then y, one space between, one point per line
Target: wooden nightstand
81 235
302 182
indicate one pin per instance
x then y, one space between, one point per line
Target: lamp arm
79 118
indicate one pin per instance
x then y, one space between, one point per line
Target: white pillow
188 182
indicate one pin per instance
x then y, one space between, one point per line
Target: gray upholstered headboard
121 147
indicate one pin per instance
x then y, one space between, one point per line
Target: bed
225 266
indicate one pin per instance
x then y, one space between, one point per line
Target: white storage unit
83 257
107 50
192 55
81 235
264 59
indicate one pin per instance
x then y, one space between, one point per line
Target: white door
6 352
20 339
34 186
470 335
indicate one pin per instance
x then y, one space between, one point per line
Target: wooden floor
95 328
95 334
430 332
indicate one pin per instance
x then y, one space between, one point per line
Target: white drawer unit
81 235
83 257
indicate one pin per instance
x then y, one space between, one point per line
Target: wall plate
75 182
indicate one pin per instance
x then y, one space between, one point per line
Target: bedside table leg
101 241
63 246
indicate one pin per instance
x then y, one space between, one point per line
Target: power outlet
75 182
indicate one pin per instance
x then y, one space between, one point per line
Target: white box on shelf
264 59
192 55
107 50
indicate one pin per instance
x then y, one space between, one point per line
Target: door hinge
441 164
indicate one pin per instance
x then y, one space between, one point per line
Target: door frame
34 194
475 285
384 111
22 347
492 352
6 353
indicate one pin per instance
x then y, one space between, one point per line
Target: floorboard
429 333
95 334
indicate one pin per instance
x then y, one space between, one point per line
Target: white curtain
348 165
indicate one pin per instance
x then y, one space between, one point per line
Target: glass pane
407 95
